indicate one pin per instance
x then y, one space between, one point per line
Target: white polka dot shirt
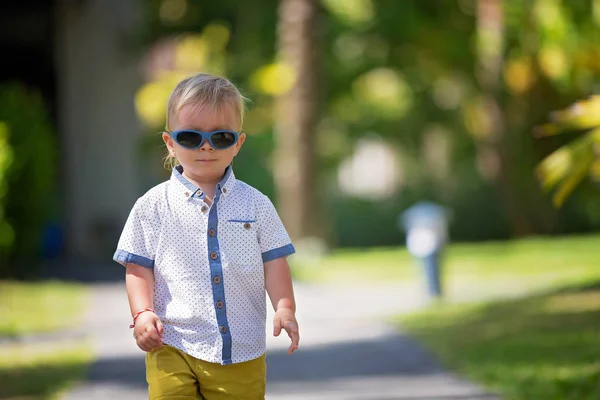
209 287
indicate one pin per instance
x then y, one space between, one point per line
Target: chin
207 170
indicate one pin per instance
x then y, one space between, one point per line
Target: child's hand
285 319
148 331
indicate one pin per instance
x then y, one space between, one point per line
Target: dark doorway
27 46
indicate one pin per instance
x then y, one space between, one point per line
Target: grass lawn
539 347
32 307
541 260
40 371
34 373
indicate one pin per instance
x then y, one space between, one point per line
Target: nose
205 146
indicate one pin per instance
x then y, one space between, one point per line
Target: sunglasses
219 140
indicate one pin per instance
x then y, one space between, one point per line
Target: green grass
34 373
552 260
33 307
356 265
543 347
540 347
40 370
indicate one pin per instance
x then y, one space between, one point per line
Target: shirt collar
224 187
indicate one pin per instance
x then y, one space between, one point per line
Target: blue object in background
426 226
52 241
431 268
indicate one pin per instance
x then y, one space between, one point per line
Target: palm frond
581 116
567 166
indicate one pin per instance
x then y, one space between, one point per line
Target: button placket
216 267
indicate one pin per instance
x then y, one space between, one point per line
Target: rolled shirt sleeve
273 238
139 238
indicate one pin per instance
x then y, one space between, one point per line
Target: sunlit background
359 110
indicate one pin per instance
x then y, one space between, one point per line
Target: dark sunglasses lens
189 139
222 140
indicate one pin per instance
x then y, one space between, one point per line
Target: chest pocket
239 240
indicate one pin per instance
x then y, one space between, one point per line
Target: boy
200 250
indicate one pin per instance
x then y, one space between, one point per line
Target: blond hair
203 90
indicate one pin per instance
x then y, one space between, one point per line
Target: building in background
77 53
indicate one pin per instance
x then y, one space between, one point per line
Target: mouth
206 160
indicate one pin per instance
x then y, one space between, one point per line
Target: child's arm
278 282
148 329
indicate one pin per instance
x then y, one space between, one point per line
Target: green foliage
566 167
397 69
541 347
28 162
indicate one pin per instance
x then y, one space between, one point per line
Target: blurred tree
296 117
410 75
492 154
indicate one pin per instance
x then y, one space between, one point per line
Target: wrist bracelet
137 314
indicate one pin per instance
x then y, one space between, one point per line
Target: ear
169 143
240 142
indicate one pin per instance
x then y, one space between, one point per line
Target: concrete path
347 350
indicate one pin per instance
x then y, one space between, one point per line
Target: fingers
147 345
141 343
149 339
142 346
292 348
152 337
276 326
291 328
159 327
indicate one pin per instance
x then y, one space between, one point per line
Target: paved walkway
347 351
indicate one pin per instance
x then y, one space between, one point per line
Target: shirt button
223 329
219 304
199 193
214 255
224 190
247 226
217 280
187 194
211 232
204 209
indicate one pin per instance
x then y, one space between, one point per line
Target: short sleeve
139 238
273 239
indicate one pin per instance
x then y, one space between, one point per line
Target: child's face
205 163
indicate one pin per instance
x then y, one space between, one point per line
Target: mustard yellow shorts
174 375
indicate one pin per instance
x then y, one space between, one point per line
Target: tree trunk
490 49
296 118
